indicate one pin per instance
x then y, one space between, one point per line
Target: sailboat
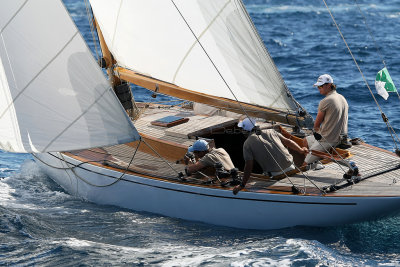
87 134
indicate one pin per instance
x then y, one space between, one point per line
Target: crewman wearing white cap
268 150
331 120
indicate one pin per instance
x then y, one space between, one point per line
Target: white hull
214 206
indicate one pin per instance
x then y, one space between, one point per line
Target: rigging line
34 78
106 175
116 23
332 157
76 119
370 33
166 101
209 57
279 94
122 175
307 178
161 157
372 36
276 162
15 82
223 79
243 109
358 67
110 184
89 13
200 35
392 130
66 168
206 176
266 52
296 167
212 62
103 153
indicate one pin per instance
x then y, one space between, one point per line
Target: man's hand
189 158
304 150
189 155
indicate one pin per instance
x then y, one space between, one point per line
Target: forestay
53 96
155 38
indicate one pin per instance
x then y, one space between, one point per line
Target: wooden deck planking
387 184
144 162
143 125
184 133
198 125
370 161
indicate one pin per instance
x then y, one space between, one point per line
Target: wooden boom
166 88
219 102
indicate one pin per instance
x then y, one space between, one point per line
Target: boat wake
36 216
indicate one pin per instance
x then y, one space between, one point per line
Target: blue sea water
42 225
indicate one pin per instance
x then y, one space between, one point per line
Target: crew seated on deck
330 125
267 147
206 157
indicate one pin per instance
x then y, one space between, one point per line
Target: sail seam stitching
209 57
116 23
261 44
266 53
34 78
12 18
227 85
198 38
76 119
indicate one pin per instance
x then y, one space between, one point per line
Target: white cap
323 79
247 124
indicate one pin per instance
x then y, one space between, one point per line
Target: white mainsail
162 39
53 96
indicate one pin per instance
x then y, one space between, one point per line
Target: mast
121 88
202 51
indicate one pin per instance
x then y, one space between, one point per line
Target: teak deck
380 166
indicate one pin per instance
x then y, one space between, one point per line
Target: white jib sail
53 96
155 37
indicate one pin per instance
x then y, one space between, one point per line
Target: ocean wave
316 7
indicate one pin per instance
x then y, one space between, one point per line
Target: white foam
6 192
263 262
395 15
325 255
279 42
29 186
240 254
80 243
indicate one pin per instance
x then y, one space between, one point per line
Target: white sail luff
207 46
58 97
10 128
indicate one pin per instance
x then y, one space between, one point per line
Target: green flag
384 83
